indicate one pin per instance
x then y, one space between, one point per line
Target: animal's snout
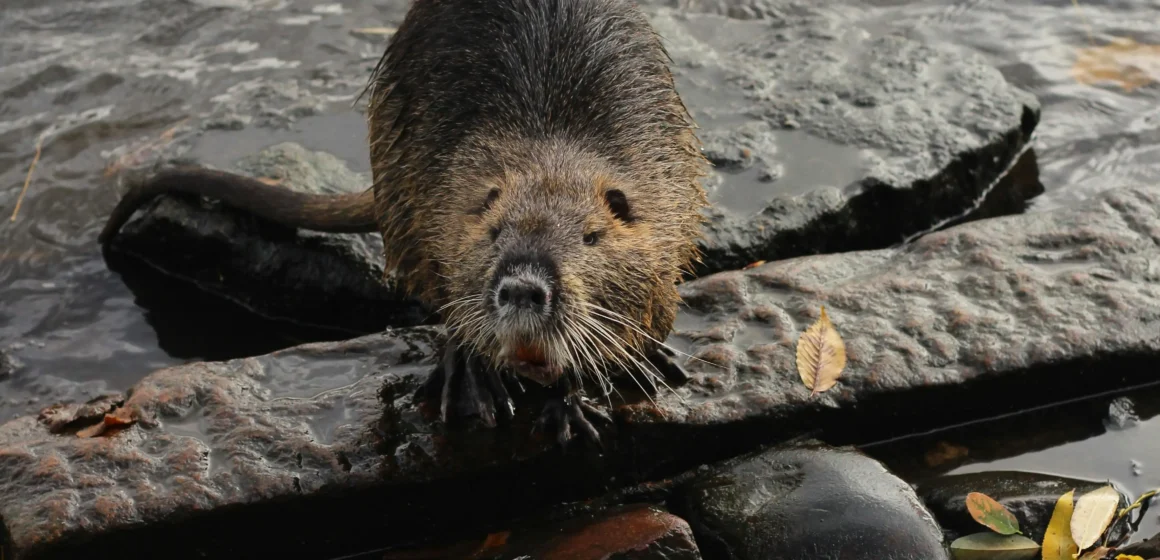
523 294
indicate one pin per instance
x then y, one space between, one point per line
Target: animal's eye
492 195
495 231
591 238
618 204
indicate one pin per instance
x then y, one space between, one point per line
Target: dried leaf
991 514
119 418
1124 62
92 431
492 542
1057 542
123 416
270 181
945 452
1093 512
990 546
821 355
753 264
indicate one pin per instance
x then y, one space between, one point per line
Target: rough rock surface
962 324
999 301
825 138
809 501
1029 496
829 136
635 532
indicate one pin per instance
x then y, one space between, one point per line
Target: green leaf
991 546
991 514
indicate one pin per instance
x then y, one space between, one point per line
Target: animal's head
566 266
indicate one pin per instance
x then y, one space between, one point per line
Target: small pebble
1137 467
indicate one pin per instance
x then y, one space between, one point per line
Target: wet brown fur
437 154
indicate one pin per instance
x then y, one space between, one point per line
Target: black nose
523 294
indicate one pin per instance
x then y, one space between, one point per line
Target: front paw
571 416
465 386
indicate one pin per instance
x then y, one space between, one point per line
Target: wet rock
275 452
876 137
817 150
635 532
997 310
313 278
1029 496
271 455
809 501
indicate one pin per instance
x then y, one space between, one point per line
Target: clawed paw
571 416
465 387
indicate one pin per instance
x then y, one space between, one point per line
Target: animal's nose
523 294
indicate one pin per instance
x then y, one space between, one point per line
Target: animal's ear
492 196
618 205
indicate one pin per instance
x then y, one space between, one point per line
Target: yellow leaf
1093 512
1129 557
992 546
1098 553
821 355
1057 542
1124 62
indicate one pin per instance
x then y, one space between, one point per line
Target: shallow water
108 81
1108 437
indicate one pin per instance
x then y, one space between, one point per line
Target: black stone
809 501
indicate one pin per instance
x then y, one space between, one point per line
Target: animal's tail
337 213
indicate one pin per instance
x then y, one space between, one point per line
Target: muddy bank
298 439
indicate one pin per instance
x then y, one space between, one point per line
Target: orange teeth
531 354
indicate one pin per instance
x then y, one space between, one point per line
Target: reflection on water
1103 437
103 81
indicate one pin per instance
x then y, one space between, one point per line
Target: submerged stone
809 501
1031 497
289 452
824 137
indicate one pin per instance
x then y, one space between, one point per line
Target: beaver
536 178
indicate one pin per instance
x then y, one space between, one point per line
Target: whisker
651 372
604 334
625 321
